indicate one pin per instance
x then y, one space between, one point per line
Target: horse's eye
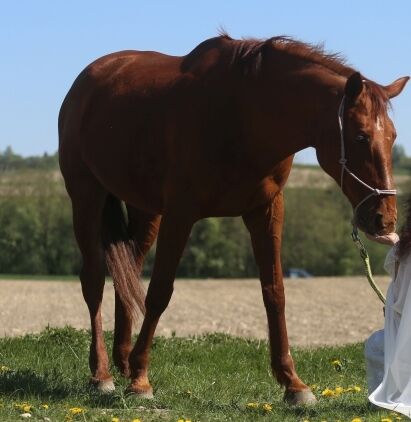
362 138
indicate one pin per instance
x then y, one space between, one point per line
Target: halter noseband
343 162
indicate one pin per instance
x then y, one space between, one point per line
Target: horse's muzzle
377 216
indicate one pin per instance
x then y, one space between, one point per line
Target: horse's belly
239 199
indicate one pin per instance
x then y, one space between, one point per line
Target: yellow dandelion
4 368
357 389
115 419
267 407
337 364
339 390
356 420
76 410
251 405
386 420
136 420
328 393
45 406
27 408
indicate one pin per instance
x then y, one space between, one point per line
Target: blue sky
45 44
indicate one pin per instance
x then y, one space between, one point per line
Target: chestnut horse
213 133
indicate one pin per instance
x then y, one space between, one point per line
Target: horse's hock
333 310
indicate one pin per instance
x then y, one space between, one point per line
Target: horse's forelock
380 103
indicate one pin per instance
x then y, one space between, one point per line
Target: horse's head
360 158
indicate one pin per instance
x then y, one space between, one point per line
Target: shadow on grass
334 409
22 382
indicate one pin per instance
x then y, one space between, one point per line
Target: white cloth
394 392
374 358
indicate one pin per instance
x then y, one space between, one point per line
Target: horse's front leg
265 226
172 237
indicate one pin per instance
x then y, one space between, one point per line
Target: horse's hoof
143 393
299 398
104 386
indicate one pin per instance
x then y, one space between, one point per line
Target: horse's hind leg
88 202
143 228
265 225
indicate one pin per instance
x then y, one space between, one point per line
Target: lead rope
367 265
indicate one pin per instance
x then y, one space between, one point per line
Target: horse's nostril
379 220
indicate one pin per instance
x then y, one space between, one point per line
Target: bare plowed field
319 310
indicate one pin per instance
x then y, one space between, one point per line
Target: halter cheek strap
344 168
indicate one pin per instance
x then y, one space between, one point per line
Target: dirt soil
319 310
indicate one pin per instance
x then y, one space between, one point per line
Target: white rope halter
343 162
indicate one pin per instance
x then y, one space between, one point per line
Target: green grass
208 378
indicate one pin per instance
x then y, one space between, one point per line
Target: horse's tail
121 260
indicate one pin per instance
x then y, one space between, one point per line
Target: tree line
36 235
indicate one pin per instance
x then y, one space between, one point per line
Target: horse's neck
298 120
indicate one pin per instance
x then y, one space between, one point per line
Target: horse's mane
247 54
249 49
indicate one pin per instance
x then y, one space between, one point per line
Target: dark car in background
297 273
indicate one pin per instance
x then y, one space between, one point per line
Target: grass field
209 378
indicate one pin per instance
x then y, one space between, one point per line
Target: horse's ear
354 86
396 87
